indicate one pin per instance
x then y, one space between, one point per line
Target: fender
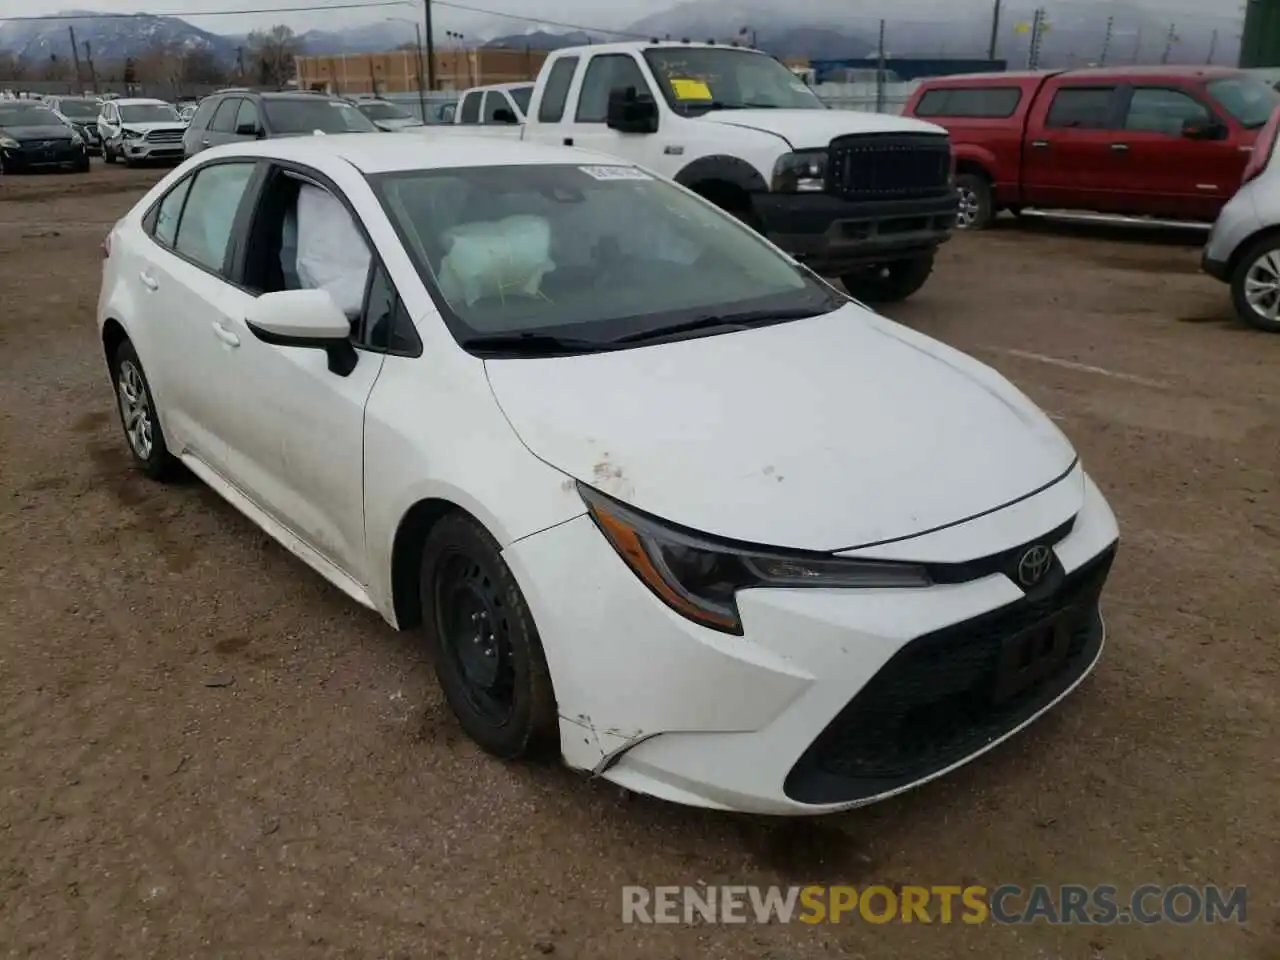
982 157
722 167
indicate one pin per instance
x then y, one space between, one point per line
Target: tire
1259 268
496 683
144 436
976 211
107 155
890 282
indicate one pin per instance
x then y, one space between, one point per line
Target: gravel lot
208 751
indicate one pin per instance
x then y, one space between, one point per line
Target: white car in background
140 130
658 500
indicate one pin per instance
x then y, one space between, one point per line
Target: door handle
568 141
225 335
204 142
148 281
1120 147
1040 144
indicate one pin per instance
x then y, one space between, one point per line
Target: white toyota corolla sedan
657 499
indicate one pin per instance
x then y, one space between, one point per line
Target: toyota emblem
1033 565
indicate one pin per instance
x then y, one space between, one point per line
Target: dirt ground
209 752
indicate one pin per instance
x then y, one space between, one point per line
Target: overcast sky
590 13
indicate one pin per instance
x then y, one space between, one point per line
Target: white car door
190 305
108 120
586 127
299 451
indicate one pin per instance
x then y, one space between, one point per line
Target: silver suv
1243 248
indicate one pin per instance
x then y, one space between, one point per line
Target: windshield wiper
730 321
532 344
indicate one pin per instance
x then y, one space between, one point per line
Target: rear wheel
107 155
138 415
889 282
1255 285
975 211
481 635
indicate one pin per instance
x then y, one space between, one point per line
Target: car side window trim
315 178
399 315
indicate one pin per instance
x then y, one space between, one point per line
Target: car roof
1090 73
139 102
374 153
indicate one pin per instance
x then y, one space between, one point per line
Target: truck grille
934 702
889 166
164 136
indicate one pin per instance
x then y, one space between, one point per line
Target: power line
316 8
188 14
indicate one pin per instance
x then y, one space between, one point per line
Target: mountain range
819 29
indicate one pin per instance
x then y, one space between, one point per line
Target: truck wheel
975 212
1255 285
888 282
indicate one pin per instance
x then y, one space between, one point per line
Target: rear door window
971 102
204 232
224 121
556 90
471 108
1083 108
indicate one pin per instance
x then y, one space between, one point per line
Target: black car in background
33 137
82 114
237 115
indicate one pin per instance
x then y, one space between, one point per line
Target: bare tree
55 69
271 54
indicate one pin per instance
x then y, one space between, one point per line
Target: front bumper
29 156
831 235
832 699
145 150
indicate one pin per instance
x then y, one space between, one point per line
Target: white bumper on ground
665 707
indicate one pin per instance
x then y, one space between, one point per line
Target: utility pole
995 30
1137 45
1106 42
880 72
1033 52
431 46
422 94
1170 39
75 57
1213 47
93 71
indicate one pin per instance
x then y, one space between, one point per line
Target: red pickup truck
1168 142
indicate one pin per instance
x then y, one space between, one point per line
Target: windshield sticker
615 173
686 89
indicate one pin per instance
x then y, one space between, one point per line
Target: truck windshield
697 79
1248 99
532 254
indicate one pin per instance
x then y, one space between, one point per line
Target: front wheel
481 636
888 282
1255 285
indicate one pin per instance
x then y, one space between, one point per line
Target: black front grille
935 702
889 166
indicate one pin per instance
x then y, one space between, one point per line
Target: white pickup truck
866 197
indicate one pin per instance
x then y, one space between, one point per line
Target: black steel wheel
482 639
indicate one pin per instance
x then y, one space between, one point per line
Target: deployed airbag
332 255
496 258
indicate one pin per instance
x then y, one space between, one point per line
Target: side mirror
503 115
631 112
1203 130
309 319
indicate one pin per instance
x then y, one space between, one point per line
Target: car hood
42 131
830 433
806 129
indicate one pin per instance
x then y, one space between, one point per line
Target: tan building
397 71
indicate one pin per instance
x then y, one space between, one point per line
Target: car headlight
9 143
699 577
804 171
130 134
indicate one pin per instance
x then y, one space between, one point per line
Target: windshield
521 96
384 111
26 115
316 113
78 109
592 253
696 79
1246 98
148 113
